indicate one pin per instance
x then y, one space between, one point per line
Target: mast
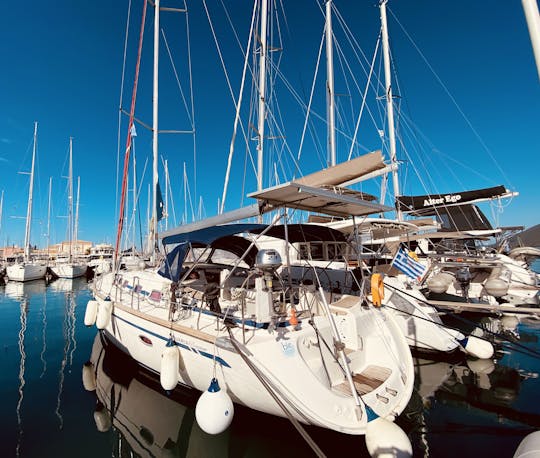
262 94
70 197
30 195
1 208
390 105
76 227
166 195
49 218
330 86
134 211
155 129
533 22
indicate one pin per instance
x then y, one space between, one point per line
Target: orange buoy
377 289
293 321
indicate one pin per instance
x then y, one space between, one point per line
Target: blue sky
63 64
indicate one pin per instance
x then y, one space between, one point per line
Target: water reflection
20 290
145 420
63 285
488 391
22 370
70 342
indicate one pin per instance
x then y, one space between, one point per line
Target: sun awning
346 171
335 201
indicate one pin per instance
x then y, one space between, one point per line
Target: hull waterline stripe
179 344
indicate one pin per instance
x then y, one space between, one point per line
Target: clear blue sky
62 64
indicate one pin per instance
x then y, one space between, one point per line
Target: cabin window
317 251
303 250
137 288
220 256
155 295
198 254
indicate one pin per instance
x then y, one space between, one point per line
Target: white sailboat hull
25 272
69 270
316 392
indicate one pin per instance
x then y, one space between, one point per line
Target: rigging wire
120 103
128 140
452 98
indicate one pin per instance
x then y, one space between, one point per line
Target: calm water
462 408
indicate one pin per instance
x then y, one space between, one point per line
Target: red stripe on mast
128 140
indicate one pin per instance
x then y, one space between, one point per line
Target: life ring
377 289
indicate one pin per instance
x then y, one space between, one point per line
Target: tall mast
390 105
533 23
134 211
262 94
76 227
1 208
30 195
70 196
155 129
49 218
166 195
330 86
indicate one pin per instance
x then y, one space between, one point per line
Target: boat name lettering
448 199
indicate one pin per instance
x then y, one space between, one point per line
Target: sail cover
430 203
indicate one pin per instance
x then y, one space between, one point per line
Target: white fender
529 447
479 348
89 376
215 410
440 282
385 439
498 282
102 418
169 366
104 312
90 314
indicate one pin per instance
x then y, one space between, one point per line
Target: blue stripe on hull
181 345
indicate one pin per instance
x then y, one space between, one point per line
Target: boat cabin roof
228 238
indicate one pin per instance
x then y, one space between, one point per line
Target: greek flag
408 263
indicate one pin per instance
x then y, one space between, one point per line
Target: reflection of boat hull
67 284
69 270
19 290
26 272
150 422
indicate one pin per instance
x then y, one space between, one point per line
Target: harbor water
459 408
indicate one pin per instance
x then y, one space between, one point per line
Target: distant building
78 248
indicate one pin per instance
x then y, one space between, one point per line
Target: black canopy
429 204
226 237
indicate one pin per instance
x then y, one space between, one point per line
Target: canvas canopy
430 204
226 237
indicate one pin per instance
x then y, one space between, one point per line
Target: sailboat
69 268
217 314
28 269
